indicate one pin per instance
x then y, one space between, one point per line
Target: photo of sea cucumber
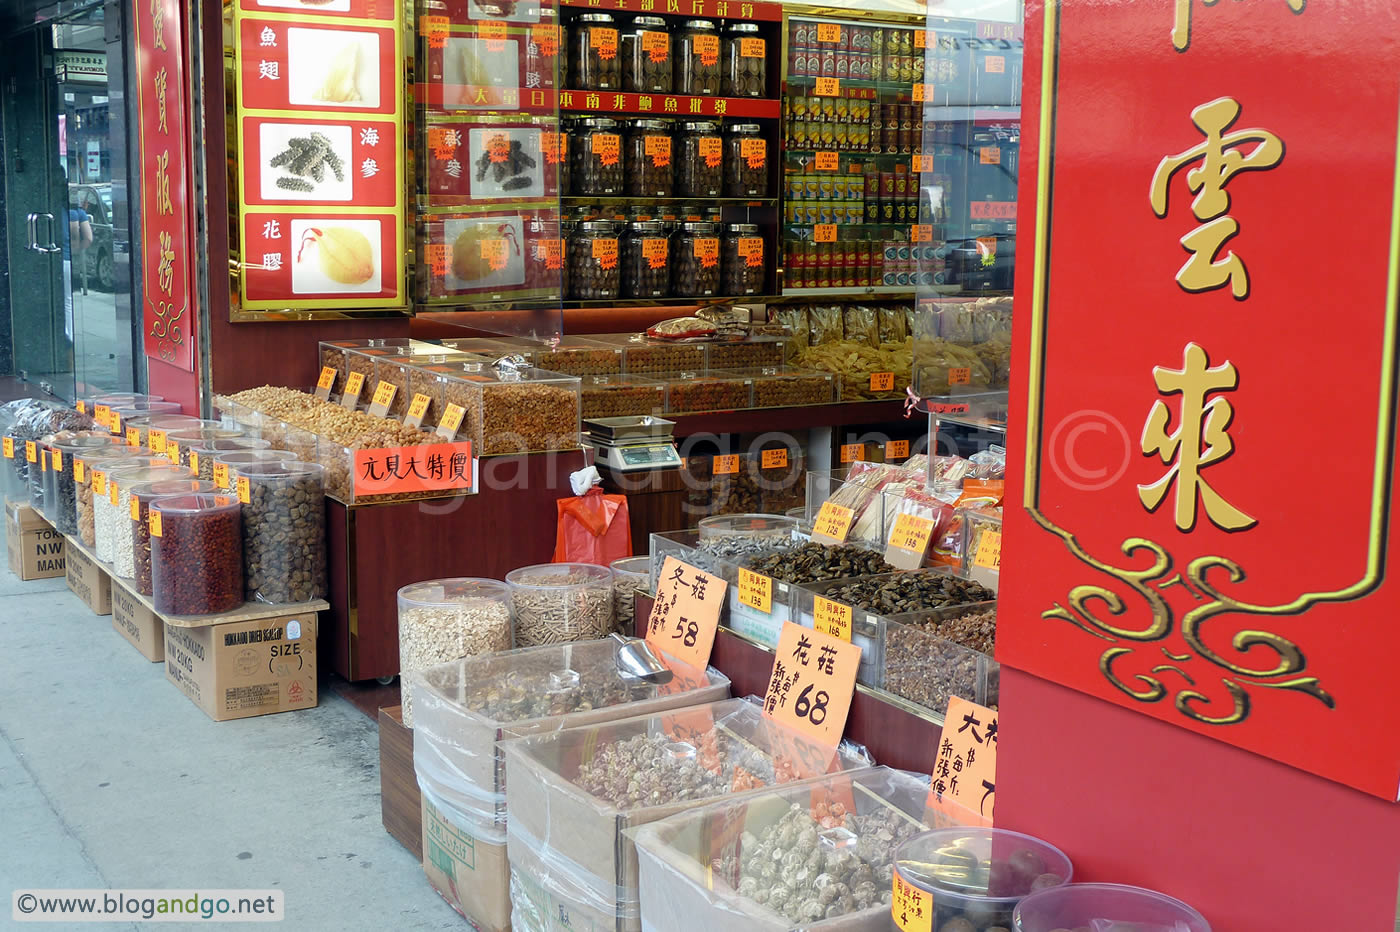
306 162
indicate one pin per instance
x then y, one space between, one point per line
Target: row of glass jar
646 57
654 158
696 261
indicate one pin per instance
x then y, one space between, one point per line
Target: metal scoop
637 661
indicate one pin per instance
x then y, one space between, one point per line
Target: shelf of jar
669 105
501 303
645 201
437 205
851 153
862 84
884 291
706 9
807 227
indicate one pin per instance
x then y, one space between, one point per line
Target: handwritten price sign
685 615
811 684
833 524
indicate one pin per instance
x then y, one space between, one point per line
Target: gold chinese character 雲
158 24
1201 439
163 204
166 269
1181 26
161 80
1221 157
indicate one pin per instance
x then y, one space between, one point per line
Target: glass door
69 327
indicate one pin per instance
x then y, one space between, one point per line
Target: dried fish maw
346 255
341 84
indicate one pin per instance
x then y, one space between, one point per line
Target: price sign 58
685 615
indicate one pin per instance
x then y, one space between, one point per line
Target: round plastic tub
284 531
102 462
1106 907
558 602
227 463
979 874
186 446
112 513
60 490
152 431
448 619
196 554
756 526
141 498
139 409
628 575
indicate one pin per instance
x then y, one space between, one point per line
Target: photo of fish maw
506 163
324 6
336 255
477 77
307 162
471 266
331 68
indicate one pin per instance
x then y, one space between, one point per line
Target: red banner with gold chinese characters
167 231
1203 489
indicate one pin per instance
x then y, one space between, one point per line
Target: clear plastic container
228 463
111 512
649 162
699 873
284 531
523 411
646 260
979 874
394 370
446 619
101 406
1105 907
101 462
61 488
595 60
646 56
596 166
749 353
697 70
695 270
198 454
197 556
756 526
579 356
119 415
713 391
629 575
141 497
744 61
621 396
782 386
556 602
577 796
642 356
156 431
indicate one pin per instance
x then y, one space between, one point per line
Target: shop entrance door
67 224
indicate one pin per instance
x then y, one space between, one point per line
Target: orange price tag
31 451
82 407
707 48
828 32
135 508
920 38
658 149
987 250
655 250
996 64
657 45
908 540
752 48
172 451
605 253
153 519
923 164
911 908
833 523
494 32
221 475
824 233
774 459
751 251
451 422
726 465
114 421
99 483
222 500
882 381
325 383
967 749
435 254
754 152
604 42
419 408
706 249
810 687
155 439
498 147
244 490
133 436
443 141
827 162
546 39
384 394
897 450
922 92
79 471
711 149
194 462
552 252
921 233
113 493
852 452
57 457
554 147
102 414
756 591
959 375
685 615
989 155
9 448
832 618
988 554
434 29
828 87
494 252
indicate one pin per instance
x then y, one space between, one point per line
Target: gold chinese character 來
1221 157
1201 439
1181 26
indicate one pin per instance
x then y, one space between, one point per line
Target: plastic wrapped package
949 470
198 456
907 496
629 576
925 665
621 396
988 464
61 487
714 867
981 553
862 325
794 321
32 420
441 620
463 708
826 324
575 796
557 602
141 498
112 510
892 325
93 468
284 531
197 556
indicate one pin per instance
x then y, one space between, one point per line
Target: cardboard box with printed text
239 669
470 872
89 582
138 624
36 550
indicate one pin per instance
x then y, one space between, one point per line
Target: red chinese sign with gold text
1205 374
167 231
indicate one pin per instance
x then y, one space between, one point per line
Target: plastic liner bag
893 327
988 464
825 324
862 325
794 322
951 470
939 365
592 527
709 868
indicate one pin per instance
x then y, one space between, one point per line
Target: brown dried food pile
911 592
815 562
651 770
197 562
974 630
284 539
518 417
519 695
331 421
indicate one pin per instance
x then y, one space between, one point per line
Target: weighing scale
633 444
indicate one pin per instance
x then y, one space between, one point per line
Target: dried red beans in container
197 559
143 495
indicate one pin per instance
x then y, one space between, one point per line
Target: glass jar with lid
700 160
594 60
741 259
746 161
649 163
646 260
745 62
594 255
646 56
695 271
697 70
595 150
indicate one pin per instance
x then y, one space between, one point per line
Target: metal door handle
52 246
33 244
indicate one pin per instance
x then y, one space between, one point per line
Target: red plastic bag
593 528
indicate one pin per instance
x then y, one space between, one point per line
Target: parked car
101 268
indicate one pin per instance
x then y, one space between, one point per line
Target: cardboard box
400 805
138 624
470 872
36 549
90 582
238 669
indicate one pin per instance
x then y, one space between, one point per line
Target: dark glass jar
649 162
746 161
554 146
646 260
646 56
566 232
542 50
594 261
595 62
697 59
700 160
745 62
595 151
741 259
695 271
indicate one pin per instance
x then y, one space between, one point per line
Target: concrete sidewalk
111 778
